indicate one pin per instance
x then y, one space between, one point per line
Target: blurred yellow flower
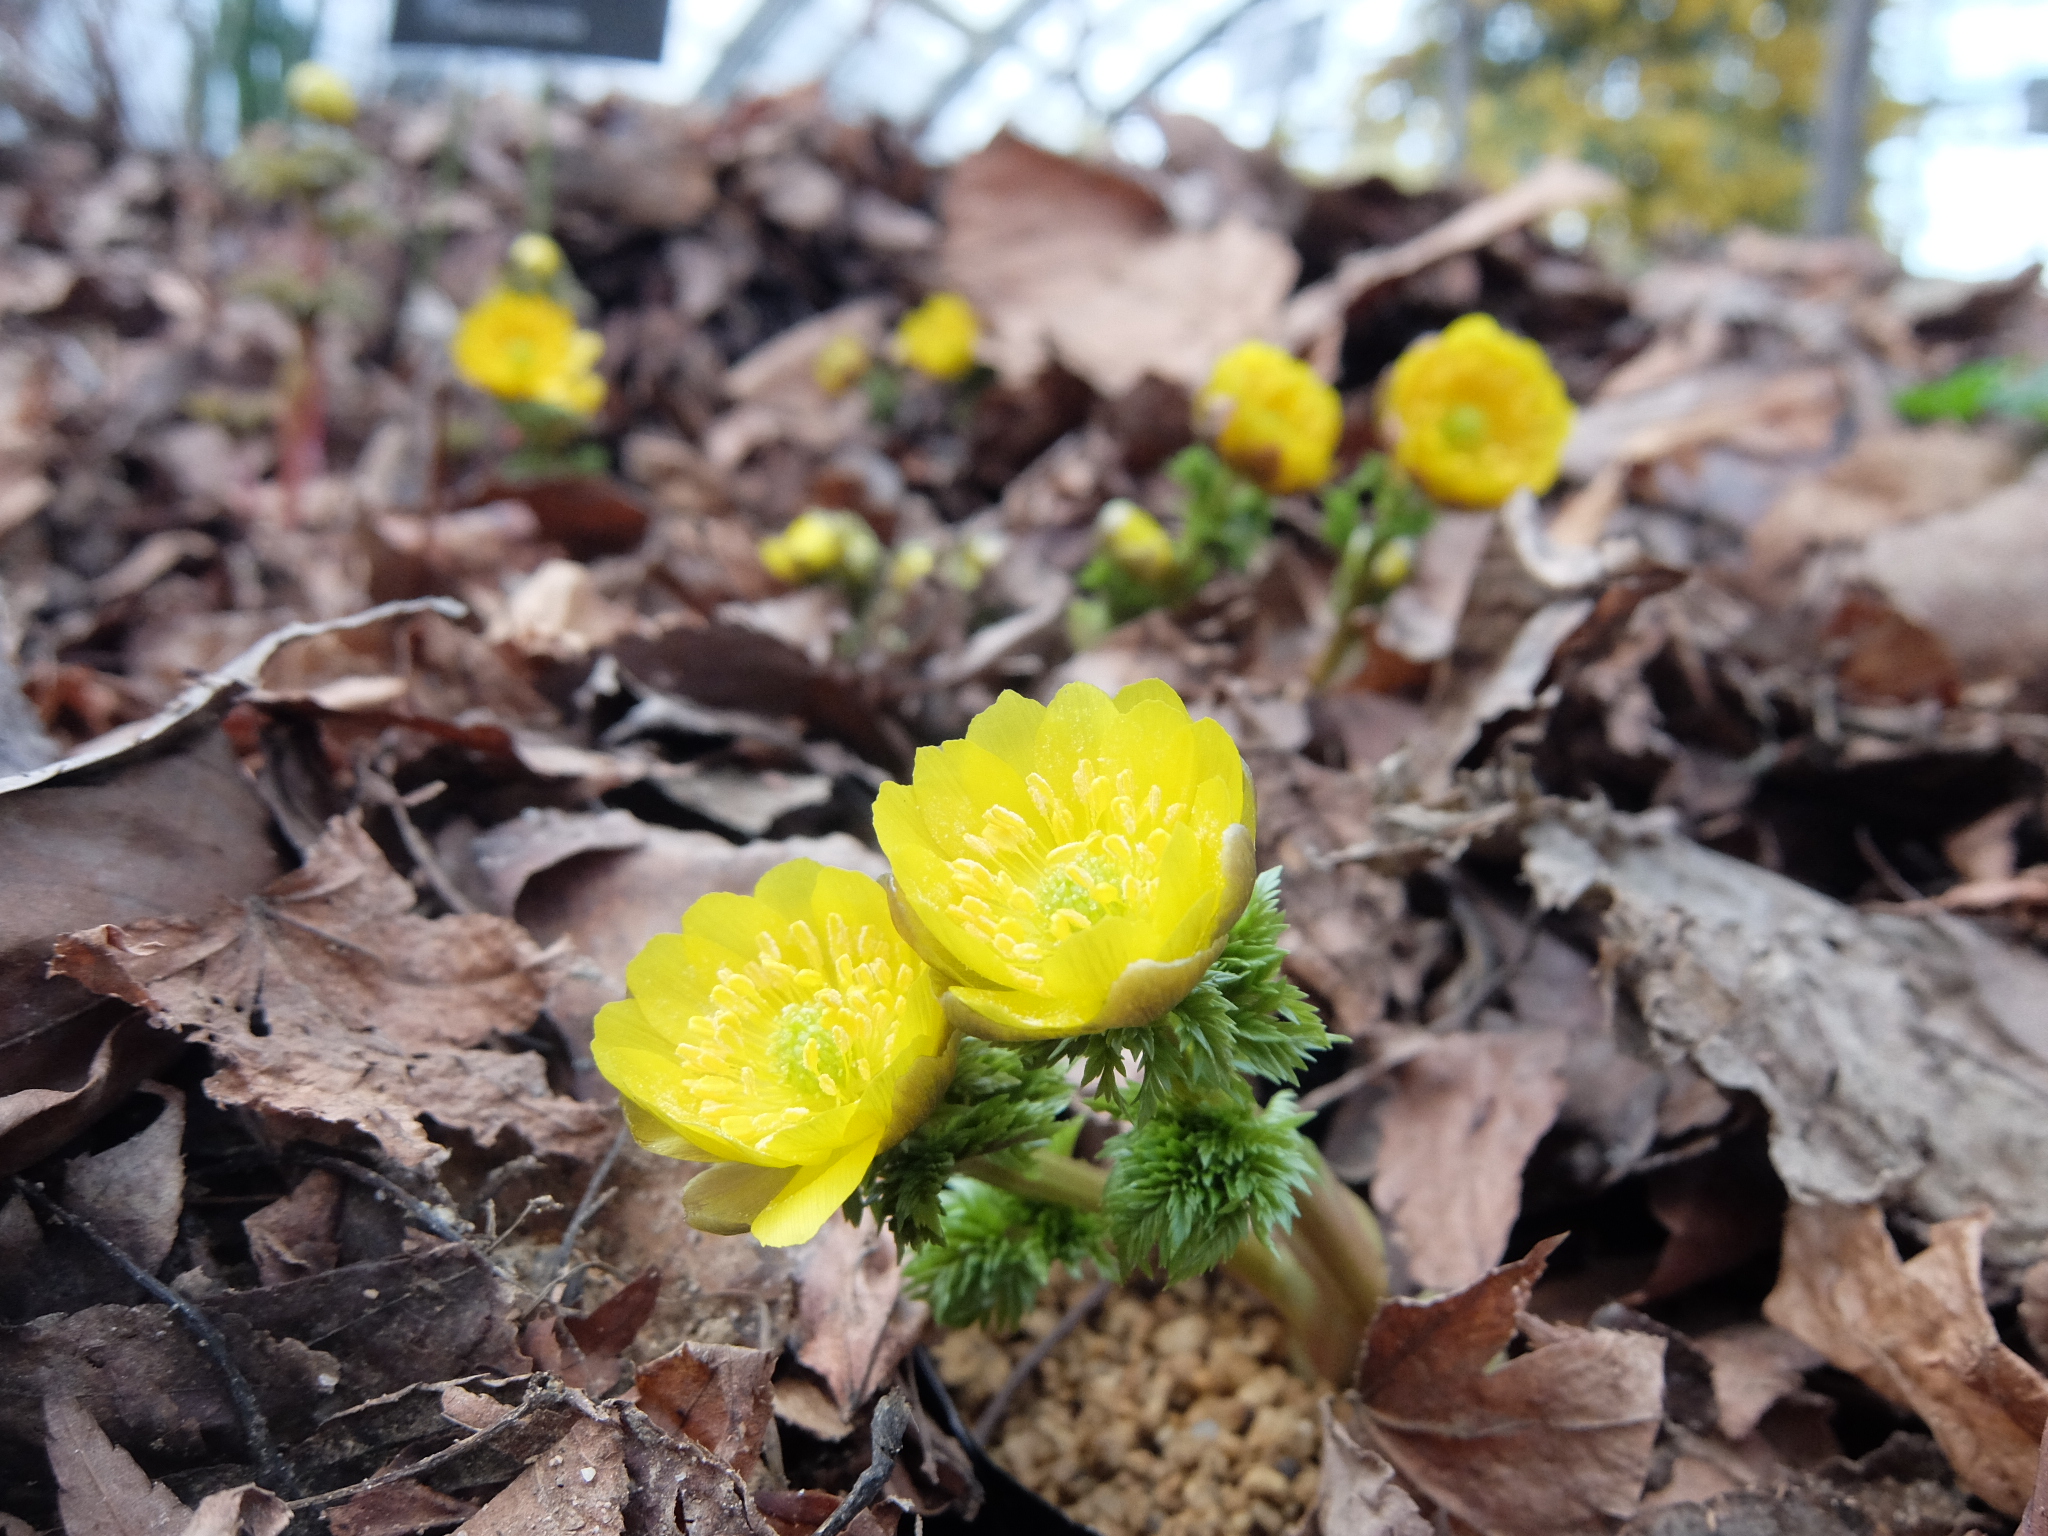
939 336
787 1037
840 364
1273 418
818 543
1133 539
314 90
526 347
1073 867
535 258
1476 412
914 560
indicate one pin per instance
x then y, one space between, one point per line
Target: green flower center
1464 427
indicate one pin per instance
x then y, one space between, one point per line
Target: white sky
1966 195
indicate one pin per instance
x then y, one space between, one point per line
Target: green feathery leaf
995 1252
996 1101
1191 1183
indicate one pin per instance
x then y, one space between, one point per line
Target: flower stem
1327 1277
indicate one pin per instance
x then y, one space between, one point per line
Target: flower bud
535 258
913 562
313 90
1392 564
1132 538
818 544
840 364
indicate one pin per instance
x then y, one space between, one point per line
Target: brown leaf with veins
1466 1113
853 1322
580 1485
1919 1333
1555 1440
720 1395
100 1489
328 1003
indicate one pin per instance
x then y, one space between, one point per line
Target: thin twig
591 1203
1884 869
385 793
885 1434
991 1417
534 1207
537 1397
270 1466
429 1217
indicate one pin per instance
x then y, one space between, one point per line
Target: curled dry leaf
331 1008
1358 1495
1754 1366
1466 1113
1920 1333
854 1324
1899 1058
1555 1440
132 1193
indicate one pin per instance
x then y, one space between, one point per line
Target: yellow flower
787 1037
535 258
314 90
1476 412
525 346
840 364
939 336
1132 538
817 544
913 562
1071 868
1273 418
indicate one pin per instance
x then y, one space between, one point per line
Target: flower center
1464 427
1022 895
802 1028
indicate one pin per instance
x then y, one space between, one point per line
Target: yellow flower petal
1071 867
1475 413
1274 419
939 337
807 1202
526 347
791 1032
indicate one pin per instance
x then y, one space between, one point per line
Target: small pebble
1171 1415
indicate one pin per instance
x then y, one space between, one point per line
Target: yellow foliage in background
1701 108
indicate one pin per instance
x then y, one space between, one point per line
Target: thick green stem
1327 1277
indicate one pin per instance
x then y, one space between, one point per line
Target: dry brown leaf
610 904
1421 618
1315 315
1358 1495
579 1485
1555 1440
132 1193
100 1489
244 1511
1974 578
1885 479
1920 1334
397 1509
854 1325
1466 1113
1073 263
1899 1058
329 1005
720 1395
1754 1366
2034 1520
295 1236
